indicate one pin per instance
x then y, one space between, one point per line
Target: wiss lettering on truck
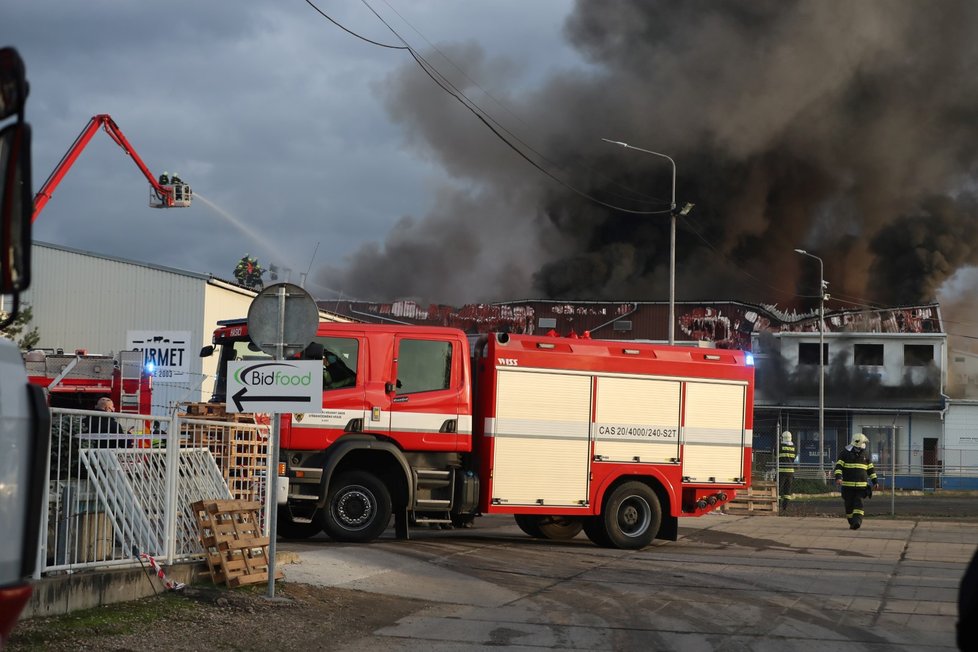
567 435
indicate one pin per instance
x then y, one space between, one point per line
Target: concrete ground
729 583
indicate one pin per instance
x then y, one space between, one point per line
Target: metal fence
945 474
123 485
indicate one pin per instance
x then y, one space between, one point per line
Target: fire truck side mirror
16 201
207 351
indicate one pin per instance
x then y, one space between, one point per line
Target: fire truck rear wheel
528 523
555 528
594 529
358 508
632 516
559 528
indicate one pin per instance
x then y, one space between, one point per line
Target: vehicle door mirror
15 204
207 351
16 201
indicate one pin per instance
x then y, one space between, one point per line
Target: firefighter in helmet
855 474
336 373
786 468
243 268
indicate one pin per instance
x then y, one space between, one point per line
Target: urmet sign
282 321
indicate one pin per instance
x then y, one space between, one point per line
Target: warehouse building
101 304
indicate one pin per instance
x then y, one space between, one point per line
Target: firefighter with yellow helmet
786 468
855 474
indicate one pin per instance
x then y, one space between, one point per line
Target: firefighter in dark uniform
854 473
786 468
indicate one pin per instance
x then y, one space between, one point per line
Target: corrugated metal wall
85 301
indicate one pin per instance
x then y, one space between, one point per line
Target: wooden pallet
218 412
760 498
240 452
234 548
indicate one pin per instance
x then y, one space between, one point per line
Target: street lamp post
672 234
821 360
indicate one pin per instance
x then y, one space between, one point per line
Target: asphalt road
729 583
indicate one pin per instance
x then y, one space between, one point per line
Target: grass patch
107 620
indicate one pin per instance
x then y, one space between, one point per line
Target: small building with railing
885 374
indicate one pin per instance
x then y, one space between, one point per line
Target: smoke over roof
845 128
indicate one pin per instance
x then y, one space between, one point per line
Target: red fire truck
78 380
617 438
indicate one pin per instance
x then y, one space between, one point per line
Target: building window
918 355
547 322
868 355
808 352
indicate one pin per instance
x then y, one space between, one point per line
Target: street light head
615 142
801 251
686 209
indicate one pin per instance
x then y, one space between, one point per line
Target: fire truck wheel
286 528
632 516
594 529
358 508
529 524
559 528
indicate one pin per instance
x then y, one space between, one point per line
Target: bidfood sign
275 386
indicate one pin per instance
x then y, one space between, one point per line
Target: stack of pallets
760 498
239 450
235 550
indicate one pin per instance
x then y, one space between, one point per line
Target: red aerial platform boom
165 193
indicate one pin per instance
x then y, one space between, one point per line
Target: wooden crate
234 548
760 498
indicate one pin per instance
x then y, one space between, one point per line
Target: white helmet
786 437
859 440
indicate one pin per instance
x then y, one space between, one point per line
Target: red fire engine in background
617 438
77 381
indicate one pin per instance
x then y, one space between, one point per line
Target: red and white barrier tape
168 583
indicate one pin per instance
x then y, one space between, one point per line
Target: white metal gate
116 491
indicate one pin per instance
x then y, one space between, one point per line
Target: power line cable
505 107
494 126
351 32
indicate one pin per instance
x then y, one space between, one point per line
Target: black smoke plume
845 128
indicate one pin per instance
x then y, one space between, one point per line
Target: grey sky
845 128
270 112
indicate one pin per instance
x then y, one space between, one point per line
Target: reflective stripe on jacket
854 468
787 458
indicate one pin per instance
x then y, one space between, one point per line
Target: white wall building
887 385
82 300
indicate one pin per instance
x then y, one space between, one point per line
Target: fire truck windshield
233 350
